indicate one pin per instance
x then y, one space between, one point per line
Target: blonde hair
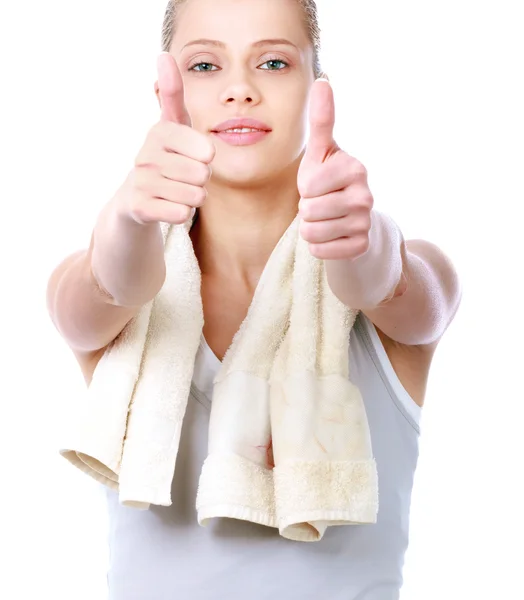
310 17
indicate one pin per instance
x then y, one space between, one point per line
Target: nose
240 91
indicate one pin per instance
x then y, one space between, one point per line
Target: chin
249 171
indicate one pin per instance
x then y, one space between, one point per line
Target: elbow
441 293
55 281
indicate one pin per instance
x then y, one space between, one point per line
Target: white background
429 97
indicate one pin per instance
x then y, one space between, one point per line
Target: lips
239 124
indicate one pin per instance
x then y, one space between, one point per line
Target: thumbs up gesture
336 204
172 167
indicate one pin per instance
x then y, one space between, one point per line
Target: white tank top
163 554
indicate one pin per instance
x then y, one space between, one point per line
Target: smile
242 130
241 136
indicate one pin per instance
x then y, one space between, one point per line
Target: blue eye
274 65
205 68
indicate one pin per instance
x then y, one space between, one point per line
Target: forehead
241 22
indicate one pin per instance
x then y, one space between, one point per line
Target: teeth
241 130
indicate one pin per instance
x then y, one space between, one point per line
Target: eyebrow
216 43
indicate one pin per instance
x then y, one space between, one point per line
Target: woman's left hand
336 203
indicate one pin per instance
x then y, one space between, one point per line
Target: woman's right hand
172 169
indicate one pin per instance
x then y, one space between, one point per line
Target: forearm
372 278
94 293
127 258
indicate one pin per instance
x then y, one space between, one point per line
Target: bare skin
410 363
246 200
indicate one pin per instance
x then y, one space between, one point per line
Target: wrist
372 278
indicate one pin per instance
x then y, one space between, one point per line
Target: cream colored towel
289 442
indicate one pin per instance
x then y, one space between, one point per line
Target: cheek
198 108
296 127
291 117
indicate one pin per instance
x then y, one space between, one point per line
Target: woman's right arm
94 293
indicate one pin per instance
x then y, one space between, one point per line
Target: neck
238 228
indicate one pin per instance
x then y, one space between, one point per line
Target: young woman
239 82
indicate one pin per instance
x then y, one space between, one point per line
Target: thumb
171 90
321 121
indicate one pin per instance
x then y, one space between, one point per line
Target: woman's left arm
409 289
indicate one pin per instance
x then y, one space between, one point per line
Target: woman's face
256 63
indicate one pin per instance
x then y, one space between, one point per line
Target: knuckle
143 158
358 227
348 202
306 211
359 170
362 244
200 197
305 185
202 174
141 179
307 231
139 159
367 199
208 151
360 199
157 132
139 212
184 212
319 251
148 155
361 226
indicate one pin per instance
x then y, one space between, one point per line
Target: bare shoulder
412 323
